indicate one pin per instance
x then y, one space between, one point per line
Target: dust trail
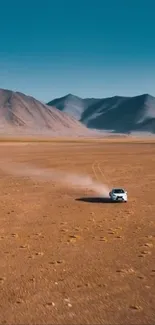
65 178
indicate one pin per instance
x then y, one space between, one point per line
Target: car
118 194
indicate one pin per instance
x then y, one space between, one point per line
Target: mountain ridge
118 114
20 111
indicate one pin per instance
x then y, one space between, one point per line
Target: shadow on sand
94 200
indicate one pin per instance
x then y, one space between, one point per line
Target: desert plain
67 256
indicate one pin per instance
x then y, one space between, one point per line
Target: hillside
117 114
18 111
73 105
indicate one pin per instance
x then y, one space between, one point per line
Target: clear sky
49 48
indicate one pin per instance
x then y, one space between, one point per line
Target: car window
117 191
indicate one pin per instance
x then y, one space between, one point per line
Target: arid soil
67 257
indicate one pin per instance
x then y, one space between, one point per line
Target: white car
118 194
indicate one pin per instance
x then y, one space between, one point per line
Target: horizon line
70 94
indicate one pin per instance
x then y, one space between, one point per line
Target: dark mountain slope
118 114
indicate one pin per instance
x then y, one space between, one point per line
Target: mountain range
115 114
72 115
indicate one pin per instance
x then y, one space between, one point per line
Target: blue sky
88 48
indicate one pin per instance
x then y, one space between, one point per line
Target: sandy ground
68 258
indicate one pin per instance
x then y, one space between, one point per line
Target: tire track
96 168
103 174
96 176
94 171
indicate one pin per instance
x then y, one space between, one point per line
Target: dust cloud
83 182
